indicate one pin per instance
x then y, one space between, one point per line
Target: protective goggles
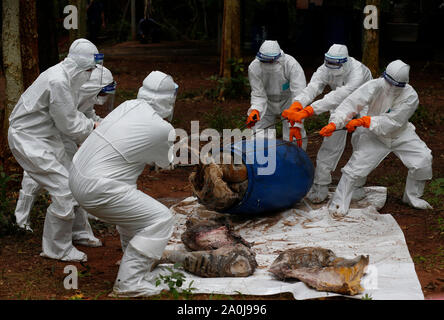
392 81
266 58
110 89
176 90
334 62
99 58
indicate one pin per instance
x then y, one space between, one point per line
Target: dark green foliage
7 205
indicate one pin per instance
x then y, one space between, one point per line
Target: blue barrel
272 190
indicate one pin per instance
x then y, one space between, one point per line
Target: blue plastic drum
280 174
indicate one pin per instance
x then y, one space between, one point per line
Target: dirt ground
25 275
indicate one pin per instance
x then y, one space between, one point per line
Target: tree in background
231 37
29 42
12 62
47 34
20 57
81 32
370 45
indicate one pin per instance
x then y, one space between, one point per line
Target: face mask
81 79
337 72
270 67
390 89
101 100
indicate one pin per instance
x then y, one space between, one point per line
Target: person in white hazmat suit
103 179
91 93
385 128
343 74
45 111
276 78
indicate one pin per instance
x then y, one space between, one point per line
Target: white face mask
101 100
81 79
270 67
337 72
390 89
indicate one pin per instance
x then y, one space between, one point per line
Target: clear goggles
334 62
99 58
176 90
110 89
266 58
392 81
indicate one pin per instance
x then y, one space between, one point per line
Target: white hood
80 58
160 91
90 90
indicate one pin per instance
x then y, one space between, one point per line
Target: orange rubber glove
253 117
293 117
328 130
296 106
361 122
295 132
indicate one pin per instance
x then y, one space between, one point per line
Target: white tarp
390 274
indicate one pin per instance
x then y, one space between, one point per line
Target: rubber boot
57 240
414 189
359 192
340 202
82 233
23 210
318 193
134 278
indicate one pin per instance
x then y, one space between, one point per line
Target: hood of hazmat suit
82 52
269 52
336 59
89 92
160 91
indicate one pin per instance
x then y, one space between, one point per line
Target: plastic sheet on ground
390 273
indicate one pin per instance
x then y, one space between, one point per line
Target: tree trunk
81 32
47 35
11 58
12 68
133 20
148 11
29 42
370 45
230 47
236 29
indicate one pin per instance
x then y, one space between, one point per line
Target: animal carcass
219 187
321 269
228 261
202 235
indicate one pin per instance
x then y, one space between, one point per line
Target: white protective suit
88 97
389 108
273 88
103 179
342 81
45 111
